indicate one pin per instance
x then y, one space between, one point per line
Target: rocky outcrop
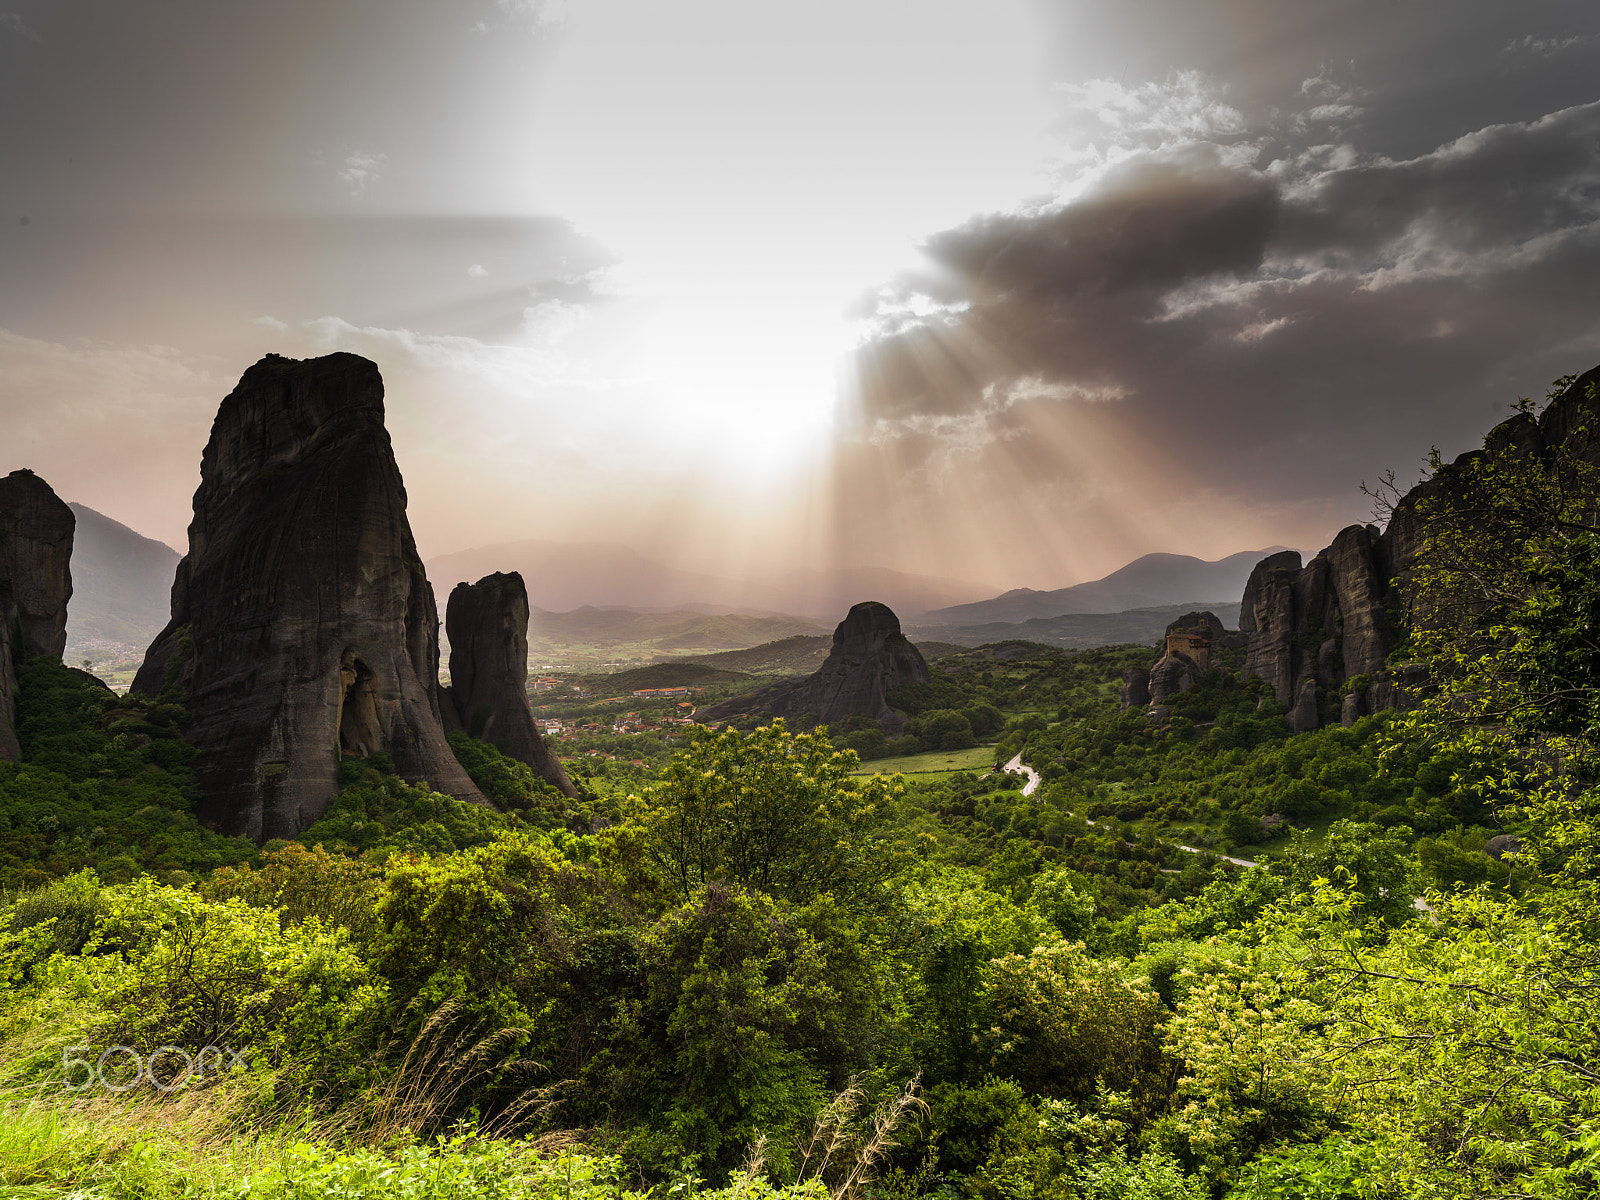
487 627
1268 619
302 625
10 748
1306 713
869 656
36 530
1173 673
1135 688
1191 646
1312 628
1327 628
35 584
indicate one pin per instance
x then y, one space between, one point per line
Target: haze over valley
597 606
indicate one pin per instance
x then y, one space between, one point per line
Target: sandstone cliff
35 584
1320 634
869 656
1313 628
302 623
487 626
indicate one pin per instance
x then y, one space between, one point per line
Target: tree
943 729
1373 866
769 810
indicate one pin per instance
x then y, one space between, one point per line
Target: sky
1006 291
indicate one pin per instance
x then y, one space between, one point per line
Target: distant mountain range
603 594
562 577
798 655
121 584
1079 631
1153 581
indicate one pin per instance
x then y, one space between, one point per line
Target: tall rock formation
869 656
487 626
35 584
302 623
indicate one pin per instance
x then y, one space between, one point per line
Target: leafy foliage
769 810
105 783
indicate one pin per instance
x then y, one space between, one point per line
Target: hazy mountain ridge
667 631
122 587
800 655
1148 582
121 583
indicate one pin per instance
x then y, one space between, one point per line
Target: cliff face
487 624
302 622
35 584
869 656
1313 629
36 530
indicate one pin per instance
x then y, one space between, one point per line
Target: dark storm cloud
1154 226
1304 324
1026 289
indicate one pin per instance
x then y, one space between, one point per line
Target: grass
979 758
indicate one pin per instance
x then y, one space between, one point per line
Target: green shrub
176 969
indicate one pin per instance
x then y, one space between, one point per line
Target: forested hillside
760 970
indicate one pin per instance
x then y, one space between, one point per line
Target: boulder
36 530
869 656
1503 845
487 626
302 624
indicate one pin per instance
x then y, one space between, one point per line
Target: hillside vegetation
751 972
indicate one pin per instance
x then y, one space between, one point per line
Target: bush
1055 899
169 968
1067 1024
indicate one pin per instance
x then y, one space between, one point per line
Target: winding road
1017 767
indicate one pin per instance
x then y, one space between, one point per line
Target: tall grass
444 1072
413 1134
